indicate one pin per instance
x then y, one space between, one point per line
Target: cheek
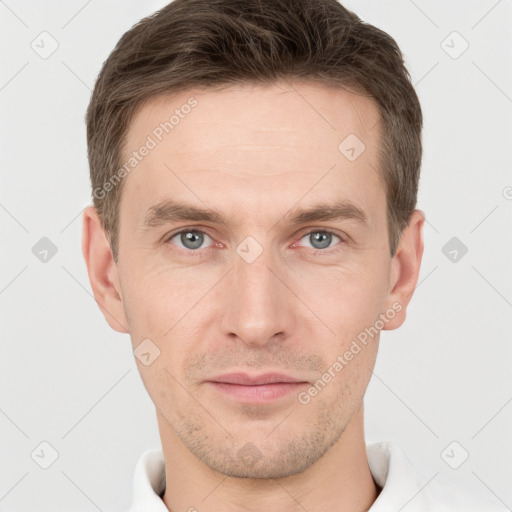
349 303
346 298
158 301
169 304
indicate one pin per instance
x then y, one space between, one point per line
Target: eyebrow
170 211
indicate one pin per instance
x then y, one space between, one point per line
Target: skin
255 152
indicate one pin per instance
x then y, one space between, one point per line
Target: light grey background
66 378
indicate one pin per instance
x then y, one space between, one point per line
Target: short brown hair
209 43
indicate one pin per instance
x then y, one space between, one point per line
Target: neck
340 480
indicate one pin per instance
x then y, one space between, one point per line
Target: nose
257 306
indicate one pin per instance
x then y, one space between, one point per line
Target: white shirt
403 489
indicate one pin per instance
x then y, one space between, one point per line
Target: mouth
261 388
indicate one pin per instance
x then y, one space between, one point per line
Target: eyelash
195 252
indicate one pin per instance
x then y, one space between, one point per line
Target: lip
262 388
245 379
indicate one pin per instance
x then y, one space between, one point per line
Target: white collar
402 487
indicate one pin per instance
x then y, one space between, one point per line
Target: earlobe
405 268
102 270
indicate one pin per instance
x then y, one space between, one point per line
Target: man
255 167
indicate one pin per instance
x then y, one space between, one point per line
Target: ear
405 269
102 270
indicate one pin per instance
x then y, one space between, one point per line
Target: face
247 308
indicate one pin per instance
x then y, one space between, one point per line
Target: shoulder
452 499
406 490
149 482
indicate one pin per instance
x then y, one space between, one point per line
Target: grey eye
320 239
190 239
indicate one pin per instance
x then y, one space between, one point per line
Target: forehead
252 143
249 115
